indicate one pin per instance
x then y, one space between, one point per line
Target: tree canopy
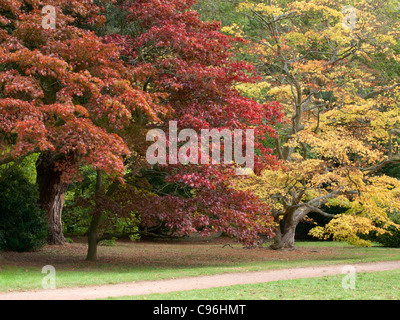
330 72
318 82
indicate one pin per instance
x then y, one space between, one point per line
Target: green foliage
80 204
109 243
23 225
392 171
220 10
27 166
391 238
76 219
114 226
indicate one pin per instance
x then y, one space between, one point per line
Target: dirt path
182 284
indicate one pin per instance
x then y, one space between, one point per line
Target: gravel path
202 282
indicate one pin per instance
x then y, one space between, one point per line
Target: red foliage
64 90
88 100
193 64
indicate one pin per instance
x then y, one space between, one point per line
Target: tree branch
278 148
6 160
353 49
379 91
6 172
317 210
380 165
318 200
125 234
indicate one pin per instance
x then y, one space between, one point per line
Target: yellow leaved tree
335 68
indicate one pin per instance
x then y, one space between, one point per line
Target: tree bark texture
286 230
52 193
93 231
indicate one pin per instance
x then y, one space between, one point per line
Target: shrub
23 226
392 237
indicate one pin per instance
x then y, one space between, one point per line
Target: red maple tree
193 66
64 93
78 98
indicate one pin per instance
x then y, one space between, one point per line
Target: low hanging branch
391 159
8 170
379 91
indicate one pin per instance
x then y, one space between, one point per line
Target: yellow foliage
260 7
281 94
233 30
347 111
347 228
253 90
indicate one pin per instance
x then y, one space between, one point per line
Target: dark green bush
23 226
304 227
390 238
393 239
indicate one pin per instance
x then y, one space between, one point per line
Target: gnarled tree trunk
52 192
285 233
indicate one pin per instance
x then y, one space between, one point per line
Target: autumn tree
65 94
334 68
192 65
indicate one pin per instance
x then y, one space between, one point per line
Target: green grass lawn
384 285
139 261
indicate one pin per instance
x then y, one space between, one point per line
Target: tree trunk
286 232
52 192
93 237
93 233
284 238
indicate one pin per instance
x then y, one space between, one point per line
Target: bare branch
6 172
323 199
353 49
379 91
6 160
317 210
381 165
